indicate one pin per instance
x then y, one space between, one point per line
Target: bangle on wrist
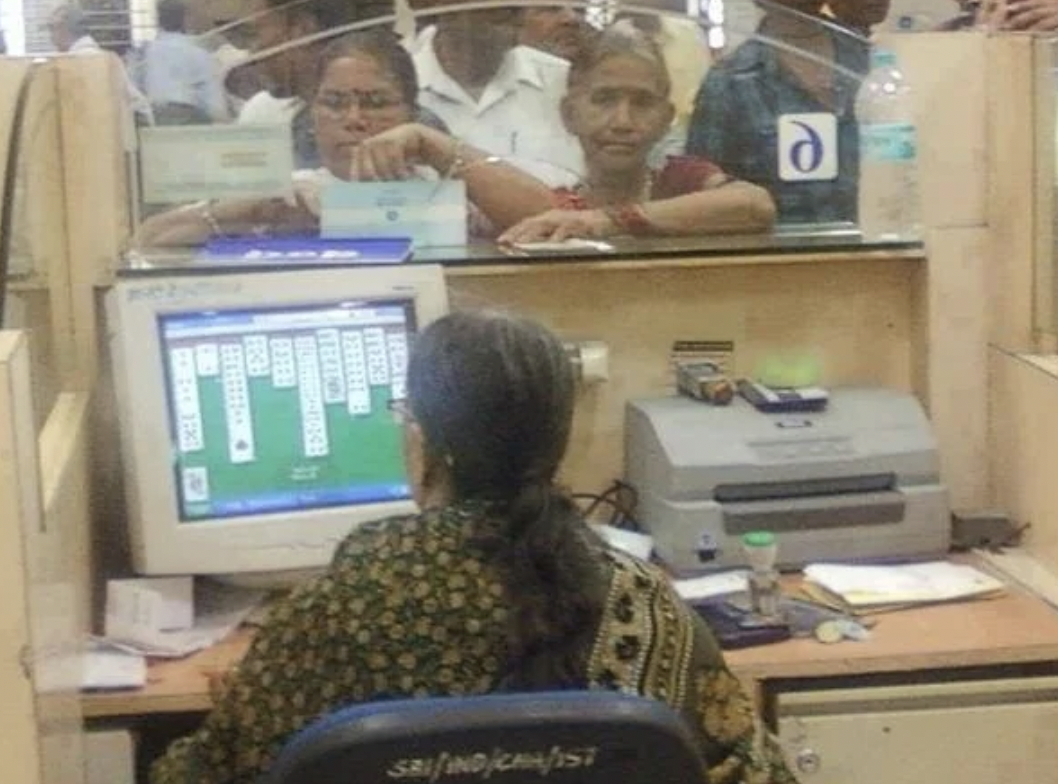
630 219
460 165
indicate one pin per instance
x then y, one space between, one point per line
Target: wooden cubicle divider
46 381
1011 177
18 474
1023 370
950 80
97 142
1024 426
43 560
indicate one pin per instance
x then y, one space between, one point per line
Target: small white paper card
808 147
430 213
631 542
183 163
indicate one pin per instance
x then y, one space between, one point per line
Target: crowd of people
561 127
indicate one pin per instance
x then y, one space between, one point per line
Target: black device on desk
735 627
778 400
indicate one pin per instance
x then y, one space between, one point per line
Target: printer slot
817 512
804 488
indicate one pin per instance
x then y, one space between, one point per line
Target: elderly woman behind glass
362 113
618 107
498 584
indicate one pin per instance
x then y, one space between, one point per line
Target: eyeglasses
369 102
400 410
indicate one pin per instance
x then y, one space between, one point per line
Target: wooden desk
1014 629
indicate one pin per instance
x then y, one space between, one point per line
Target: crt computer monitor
254 415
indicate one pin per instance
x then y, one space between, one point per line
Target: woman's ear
670 114
415 458
428 475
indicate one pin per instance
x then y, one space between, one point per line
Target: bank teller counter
842 297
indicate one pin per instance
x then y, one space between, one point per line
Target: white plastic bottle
761 550
889 203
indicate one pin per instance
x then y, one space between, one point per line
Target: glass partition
522 127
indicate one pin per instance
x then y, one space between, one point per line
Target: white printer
857 481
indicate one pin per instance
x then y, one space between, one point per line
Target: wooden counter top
173 685
485 259
1015 628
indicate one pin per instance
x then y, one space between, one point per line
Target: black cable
7 208
620 497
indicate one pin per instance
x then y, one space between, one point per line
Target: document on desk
694 588
870 586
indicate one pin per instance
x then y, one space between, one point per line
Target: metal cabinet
972 732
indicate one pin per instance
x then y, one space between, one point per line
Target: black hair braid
547 553
494 397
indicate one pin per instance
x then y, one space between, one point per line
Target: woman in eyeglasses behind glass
362 113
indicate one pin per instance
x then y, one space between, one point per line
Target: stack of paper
884 587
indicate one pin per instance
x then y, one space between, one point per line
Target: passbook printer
857 481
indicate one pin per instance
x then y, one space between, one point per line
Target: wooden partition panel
18 474
43 576
855 315
1024 427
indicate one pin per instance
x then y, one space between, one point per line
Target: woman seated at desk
362 114
618 107
497 585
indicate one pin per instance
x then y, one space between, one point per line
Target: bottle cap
760 548
758 539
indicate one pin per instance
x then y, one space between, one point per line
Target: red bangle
630 219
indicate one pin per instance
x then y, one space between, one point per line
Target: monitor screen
276 409
254 411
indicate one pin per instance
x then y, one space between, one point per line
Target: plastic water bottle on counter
889 202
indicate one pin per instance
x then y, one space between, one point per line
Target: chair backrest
571 737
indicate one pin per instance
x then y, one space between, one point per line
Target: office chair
576 737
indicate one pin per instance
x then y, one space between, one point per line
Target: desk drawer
973 732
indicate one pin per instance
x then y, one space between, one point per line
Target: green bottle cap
758 539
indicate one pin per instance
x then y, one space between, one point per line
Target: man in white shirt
557 29
178 75
496 95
